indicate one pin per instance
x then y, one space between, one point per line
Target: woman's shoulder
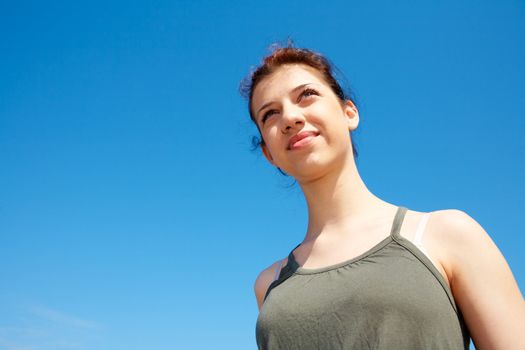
265 278
454 227
452 216
442 235
456 237
440 225
449 224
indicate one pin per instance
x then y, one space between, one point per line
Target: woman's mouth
301 139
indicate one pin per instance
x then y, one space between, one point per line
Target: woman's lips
301 139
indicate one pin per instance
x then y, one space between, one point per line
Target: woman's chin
316 166
308 170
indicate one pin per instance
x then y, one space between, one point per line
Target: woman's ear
352 115
267 154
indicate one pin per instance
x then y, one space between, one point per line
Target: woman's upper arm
482 283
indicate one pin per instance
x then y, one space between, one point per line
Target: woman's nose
292 118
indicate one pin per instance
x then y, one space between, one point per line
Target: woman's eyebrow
293 90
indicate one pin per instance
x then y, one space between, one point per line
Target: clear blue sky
133 214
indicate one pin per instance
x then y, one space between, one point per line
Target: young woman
368 274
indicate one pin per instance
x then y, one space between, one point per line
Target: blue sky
133 214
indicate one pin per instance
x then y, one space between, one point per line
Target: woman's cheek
272 135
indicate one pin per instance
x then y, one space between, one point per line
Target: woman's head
286 56
293 93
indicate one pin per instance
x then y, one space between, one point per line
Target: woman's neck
340 199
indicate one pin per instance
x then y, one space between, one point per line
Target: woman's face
304 125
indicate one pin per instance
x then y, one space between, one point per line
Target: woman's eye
308 93
268 114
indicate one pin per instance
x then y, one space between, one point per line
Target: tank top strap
398 221
285 273
291 259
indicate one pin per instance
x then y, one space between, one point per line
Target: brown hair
280 56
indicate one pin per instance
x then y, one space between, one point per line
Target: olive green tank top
390 297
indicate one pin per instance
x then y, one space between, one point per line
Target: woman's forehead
285 79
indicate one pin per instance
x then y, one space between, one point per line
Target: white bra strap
420 229
278 270
419 235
